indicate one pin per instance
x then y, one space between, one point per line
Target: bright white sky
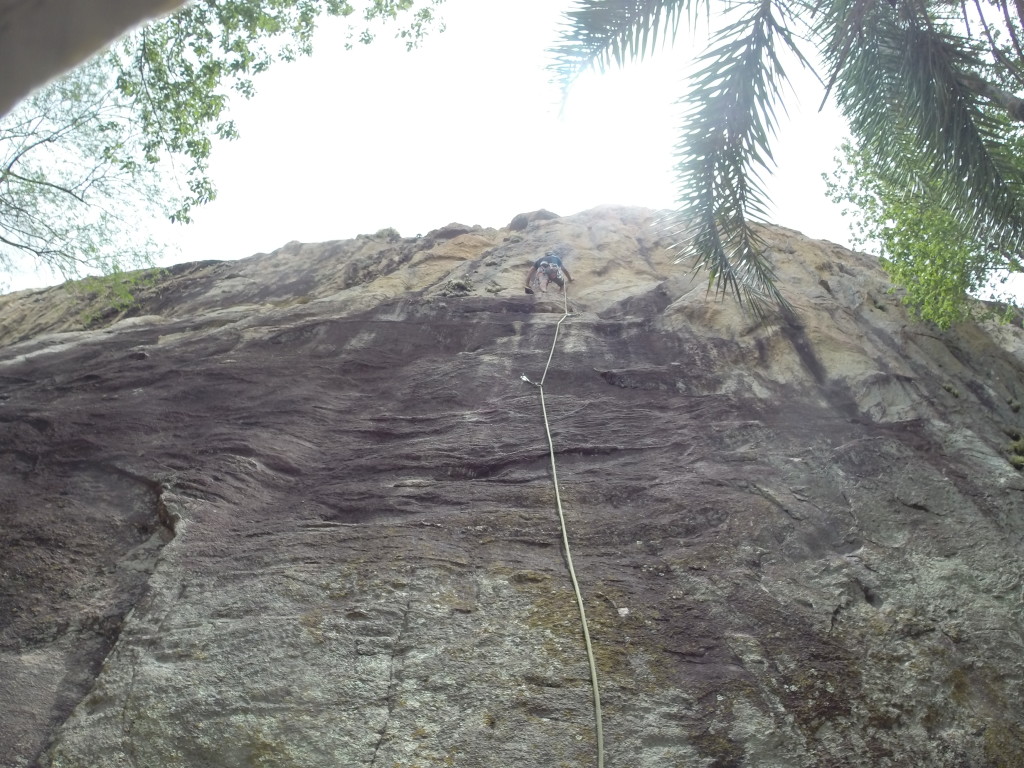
467 128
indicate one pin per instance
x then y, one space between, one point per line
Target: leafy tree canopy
931 90
938 261
129 134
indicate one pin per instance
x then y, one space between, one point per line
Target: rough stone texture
522 221
298 512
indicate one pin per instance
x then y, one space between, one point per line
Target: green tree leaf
932 92
934 257
128 136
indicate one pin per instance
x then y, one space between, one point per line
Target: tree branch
1011 104
43 254
1013 37
44 183
1011 67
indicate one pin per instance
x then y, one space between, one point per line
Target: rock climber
550 269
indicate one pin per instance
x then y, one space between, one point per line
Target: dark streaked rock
799 545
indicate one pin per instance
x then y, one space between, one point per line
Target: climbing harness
546 270
565 538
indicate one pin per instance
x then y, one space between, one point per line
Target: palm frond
599 33
910 74
726 145
841 26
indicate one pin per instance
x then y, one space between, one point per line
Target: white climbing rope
565 538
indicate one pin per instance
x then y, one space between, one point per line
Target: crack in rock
395 668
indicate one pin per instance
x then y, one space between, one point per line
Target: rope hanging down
565 538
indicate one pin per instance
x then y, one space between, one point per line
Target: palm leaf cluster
940 77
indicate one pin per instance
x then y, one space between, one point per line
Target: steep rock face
298 511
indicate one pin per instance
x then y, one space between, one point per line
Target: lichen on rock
796 546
